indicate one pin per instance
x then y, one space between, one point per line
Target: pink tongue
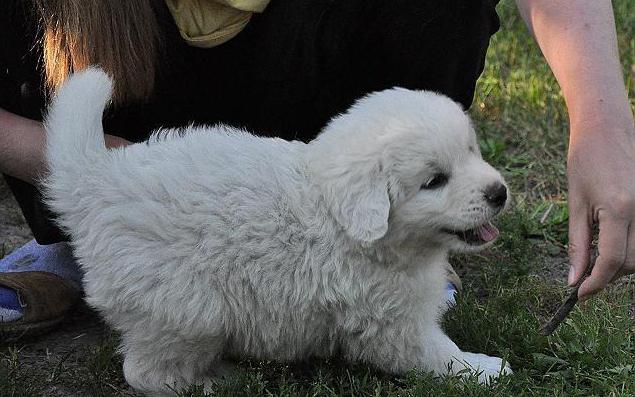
487 232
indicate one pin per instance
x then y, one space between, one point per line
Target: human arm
577 37
22 146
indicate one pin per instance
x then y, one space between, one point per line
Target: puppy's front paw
487 368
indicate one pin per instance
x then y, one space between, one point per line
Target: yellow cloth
208 23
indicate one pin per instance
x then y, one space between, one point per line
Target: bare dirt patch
13 229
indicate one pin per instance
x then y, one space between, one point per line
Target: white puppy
207 242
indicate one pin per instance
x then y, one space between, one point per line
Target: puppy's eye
435 182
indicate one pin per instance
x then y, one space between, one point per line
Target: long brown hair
121 36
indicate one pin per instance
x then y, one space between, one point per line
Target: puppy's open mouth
479 235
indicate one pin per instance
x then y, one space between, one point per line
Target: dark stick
563 311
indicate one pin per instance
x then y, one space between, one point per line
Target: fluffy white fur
209 241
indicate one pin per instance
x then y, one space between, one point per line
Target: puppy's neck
405 256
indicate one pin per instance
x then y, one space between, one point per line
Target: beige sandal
45 298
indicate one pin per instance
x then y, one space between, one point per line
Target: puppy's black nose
496 195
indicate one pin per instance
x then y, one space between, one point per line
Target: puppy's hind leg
163 369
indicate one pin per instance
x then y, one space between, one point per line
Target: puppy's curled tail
75 144
74 131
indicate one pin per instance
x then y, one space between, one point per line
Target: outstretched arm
22 146
577 37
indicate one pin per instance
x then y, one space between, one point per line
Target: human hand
601 173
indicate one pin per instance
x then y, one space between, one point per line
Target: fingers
629 263
579 243
612 248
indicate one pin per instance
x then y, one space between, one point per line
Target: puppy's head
404 166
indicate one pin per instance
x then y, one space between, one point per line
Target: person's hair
121 36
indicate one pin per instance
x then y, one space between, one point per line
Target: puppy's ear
356 193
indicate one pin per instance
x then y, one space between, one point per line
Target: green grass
509 291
